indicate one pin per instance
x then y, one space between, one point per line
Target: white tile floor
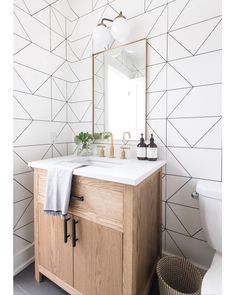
25 284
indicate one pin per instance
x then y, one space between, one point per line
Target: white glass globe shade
120 29
116 52
101 35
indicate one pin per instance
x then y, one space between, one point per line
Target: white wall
53 93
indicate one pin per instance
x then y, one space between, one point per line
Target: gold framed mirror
119 90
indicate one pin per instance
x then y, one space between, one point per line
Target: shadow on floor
25 284
154 289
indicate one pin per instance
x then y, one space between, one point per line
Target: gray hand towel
58 189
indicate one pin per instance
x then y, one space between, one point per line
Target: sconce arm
105 19
110 20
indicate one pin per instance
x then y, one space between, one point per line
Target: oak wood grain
100 205
38 276
119 237
59 281
97 259
141 246
55 255
128 241
98 183
103 200
147 231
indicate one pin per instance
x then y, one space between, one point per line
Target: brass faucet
112 149
122 154
123 147
101 151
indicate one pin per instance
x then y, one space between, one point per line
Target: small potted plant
84 139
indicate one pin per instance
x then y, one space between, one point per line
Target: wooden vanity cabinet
113 236
54 254
98 259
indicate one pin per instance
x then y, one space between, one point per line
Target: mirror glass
119 90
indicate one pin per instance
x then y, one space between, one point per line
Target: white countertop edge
121 180
45 164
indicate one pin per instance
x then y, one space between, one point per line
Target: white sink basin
95 163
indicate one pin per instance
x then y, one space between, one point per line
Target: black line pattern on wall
52 92
42 96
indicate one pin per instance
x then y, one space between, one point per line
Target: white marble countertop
128 171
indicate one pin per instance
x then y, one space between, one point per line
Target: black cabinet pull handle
74 239
79 198
66 236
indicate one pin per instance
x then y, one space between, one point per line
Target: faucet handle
125 141
122 154
102 151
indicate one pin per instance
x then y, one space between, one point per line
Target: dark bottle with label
152 150
142 149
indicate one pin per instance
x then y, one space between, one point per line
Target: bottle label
151 153
141 152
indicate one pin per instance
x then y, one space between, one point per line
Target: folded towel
59 188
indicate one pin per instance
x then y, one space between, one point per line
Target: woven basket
177 276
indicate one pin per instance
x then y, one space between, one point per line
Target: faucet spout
112 149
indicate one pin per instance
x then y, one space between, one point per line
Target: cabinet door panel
55 255
97 259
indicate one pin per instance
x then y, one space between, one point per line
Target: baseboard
23 258
201 267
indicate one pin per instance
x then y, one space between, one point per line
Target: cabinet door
54 254
97 259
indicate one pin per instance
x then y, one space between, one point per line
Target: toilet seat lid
212 281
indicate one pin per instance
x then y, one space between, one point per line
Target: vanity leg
159 213
38 276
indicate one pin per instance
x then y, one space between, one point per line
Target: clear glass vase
84 149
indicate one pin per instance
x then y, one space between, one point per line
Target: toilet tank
210 205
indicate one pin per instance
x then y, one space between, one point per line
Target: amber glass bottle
152 150
142 149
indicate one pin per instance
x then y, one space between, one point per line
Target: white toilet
210 203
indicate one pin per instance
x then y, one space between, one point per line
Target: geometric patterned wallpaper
53 94
99 93
45 103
